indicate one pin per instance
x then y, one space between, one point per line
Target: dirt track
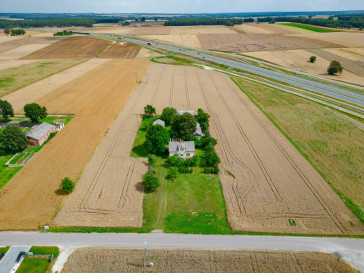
72 47
258 42
31 199
273 183
187 260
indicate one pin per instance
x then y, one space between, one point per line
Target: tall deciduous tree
168 115
149 110
35 112
184 124
6 110
334 68
157 138
12 140
150 182
202 117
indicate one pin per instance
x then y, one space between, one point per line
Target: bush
206 142
151 160
12 140
179 162
210 158
192 162
173 173
150 182
312 59
184 169
214 170
67 185
149 110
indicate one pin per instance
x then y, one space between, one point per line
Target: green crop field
308 27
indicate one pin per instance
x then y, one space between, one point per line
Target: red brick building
40 133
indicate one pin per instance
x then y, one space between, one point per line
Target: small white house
181 112
59 126
159 122
182 149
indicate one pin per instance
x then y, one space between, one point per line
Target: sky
175 6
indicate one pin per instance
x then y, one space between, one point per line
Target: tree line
342 21
194 22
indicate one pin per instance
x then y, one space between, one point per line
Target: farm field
258 42
306 28
5 64
121 50
13 43
189 40
353 54
94 260
194 30
344 39
333 144
14 78
94 98
72 47
298 60
259 198
43 87
263 28
21 51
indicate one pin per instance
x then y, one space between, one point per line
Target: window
176 155
188 154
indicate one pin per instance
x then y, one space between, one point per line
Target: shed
40 133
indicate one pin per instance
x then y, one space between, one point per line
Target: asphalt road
333 91
351 250
8 263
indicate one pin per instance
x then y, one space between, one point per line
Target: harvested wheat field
43 87
352 54
72 47
258 42
5 64
297 59
193 30
188 40
262 28
21 51
121 50
345 39
273 183
93 260
159 30
13 43
31 199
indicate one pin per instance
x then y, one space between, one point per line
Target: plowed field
197 260
72 47
258 42
121 50
273 182
31 199
262 28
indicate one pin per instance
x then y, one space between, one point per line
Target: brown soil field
72 47
32 198
43 87
347 64
194 30
345 39
11 44
352 54
5 64
93 260
298 60
273 181
183 40
262 28
21 51
258 42
121 50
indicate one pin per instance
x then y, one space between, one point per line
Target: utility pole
338 256
146 255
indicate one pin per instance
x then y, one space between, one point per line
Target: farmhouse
181 112
182 149
198 131
159 122
40 133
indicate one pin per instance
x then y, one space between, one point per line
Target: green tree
6 110
150 182
312 59
173 173
67 185
35 112
184 124
7 31
149 110
157 138
334 68
168 115
210 158
202 117
12 140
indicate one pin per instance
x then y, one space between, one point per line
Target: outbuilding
159 122
40 133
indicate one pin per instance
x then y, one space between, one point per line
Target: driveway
8 263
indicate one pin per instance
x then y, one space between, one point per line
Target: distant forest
345 21
194 22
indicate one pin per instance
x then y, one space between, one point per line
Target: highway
314 85
351 250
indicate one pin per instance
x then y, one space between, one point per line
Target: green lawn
4 249
309 27
38 265
138 149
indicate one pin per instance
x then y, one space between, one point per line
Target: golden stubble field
31 199
273 182
94 260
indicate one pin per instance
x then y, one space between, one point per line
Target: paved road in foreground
324 88
351 250
8 263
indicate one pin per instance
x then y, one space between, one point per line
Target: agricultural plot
72 47
5 64
188 40
344 39
303 28
14 43
194 30
263 28
21 51
150 30
258 42
121 50
198 260
273 183
95 98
